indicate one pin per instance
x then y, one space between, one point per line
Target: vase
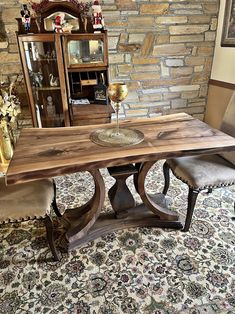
6 142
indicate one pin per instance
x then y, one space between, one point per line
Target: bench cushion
201 172
25 201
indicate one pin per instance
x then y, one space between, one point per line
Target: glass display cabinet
66 77
45 80
65 65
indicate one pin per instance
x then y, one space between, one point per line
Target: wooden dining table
49 152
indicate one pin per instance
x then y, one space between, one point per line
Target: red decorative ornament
59 21
37 7
84 8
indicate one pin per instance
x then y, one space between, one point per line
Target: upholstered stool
28 201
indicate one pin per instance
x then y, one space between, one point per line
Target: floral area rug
138 270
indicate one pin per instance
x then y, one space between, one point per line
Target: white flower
9 106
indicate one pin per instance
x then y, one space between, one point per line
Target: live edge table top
49 152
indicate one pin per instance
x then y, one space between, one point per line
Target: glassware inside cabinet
85 52
44 78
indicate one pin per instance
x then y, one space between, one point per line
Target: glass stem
117 118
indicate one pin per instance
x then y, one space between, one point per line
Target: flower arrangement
9 111
9 105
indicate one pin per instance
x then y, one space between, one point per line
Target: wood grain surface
42 153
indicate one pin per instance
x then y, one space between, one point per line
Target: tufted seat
28 201
204 172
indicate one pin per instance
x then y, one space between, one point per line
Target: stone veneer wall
162 49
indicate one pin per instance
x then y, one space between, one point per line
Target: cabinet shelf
90 69
47 88
45 60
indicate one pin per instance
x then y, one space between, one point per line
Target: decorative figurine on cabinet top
67 28
59 22
61 25
25 16
98 21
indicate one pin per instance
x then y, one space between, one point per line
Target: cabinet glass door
43 75
85 50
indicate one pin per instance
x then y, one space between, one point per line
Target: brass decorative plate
110 137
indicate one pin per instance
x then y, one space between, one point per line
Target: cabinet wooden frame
43 38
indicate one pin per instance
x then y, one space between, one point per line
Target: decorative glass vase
6 141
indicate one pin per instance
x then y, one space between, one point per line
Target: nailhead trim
203 187
21 219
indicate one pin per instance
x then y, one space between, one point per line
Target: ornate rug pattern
138 270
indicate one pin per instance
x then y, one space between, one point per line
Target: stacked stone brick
9 56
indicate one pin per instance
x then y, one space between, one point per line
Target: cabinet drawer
88 82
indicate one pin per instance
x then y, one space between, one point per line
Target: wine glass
117 92
116 136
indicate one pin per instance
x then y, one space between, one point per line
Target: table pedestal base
139 216
86 223
119 194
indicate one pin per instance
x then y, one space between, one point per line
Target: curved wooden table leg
83 225
139 180
80 220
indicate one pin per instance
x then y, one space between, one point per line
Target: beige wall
223 68
218 99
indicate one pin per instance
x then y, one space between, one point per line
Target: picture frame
100 91
228 33
100 94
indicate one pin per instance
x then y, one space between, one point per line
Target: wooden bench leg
50 237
